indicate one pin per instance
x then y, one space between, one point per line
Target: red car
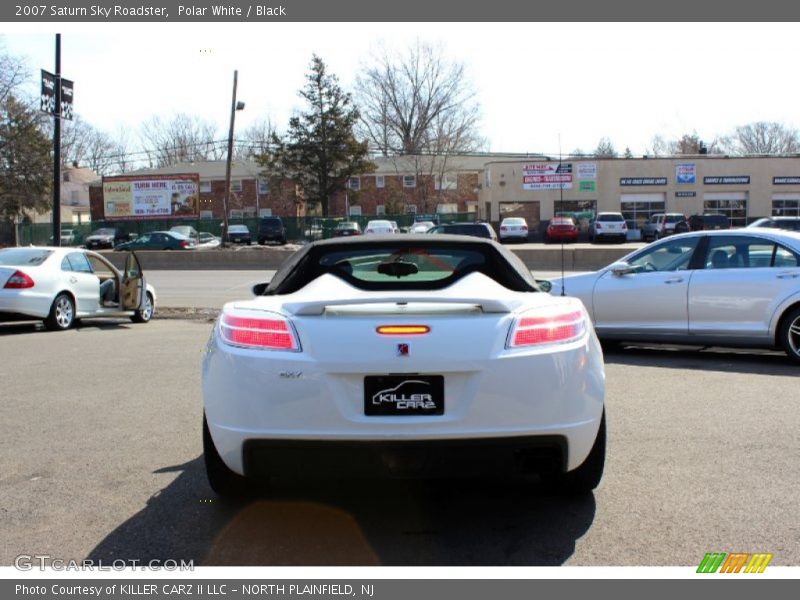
561 229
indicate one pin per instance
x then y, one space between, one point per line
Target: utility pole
57 149
234 107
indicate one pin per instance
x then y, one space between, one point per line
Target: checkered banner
47 100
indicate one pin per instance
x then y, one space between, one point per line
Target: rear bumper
454 458
263 402
25 303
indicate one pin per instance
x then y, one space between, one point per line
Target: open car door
132 289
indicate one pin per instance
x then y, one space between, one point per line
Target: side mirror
618 269
260 288
544 285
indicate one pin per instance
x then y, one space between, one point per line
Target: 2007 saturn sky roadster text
403 355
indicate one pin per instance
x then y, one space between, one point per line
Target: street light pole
234 107
57 149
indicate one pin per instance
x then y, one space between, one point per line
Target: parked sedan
159 240
61 285
788 223
379 226
482 230
347 229
561 229
239 234
105 237
421 227
513 229
208 240
724 288
445 335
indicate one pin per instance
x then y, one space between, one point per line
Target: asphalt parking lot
101 458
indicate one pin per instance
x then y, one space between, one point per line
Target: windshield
403 265
103 232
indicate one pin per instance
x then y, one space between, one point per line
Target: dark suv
703 222
271 229
483 230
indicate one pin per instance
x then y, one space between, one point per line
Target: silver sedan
731 288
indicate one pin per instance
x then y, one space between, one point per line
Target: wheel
587 477
789 334
144 314
222 480
62 313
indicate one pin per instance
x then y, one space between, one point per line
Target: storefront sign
786 180
643 181
727 180
586 186
547 176
685 173
586 170
685 194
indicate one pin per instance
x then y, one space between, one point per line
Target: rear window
674 218
468 229
271 221
24 256
401 266
610 217
238 229
104 231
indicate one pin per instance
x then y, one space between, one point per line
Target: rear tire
62 313
144 314
223 481
789 335
586 478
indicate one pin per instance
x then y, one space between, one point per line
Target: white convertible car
403 355
61 285
723 288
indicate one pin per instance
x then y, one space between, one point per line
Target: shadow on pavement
702 358
100 324
354 522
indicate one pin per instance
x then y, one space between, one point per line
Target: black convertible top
495 261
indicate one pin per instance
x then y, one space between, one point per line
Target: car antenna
561 204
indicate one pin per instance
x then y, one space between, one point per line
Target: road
100 457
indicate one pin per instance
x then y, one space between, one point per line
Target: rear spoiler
317 307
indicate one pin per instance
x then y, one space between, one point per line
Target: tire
62 313
223 481
586 477
789 335
144 314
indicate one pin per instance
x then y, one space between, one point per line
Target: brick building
400 185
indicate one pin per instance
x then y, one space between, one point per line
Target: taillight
524 228
624 225
18 281
271 332
504 229
598 226
553 325
368 231
184 244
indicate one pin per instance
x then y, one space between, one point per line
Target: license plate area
403 395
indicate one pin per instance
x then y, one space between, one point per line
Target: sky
542 87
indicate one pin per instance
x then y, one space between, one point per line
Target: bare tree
12 74
605 149
255 141
417 102
658 146
762 138
182 139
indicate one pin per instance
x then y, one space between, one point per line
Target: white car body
316 391
608 225
513 228
50 279
379 227
728 287
421 227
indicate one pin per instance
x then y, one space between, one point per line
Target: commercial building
743 188
494 186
